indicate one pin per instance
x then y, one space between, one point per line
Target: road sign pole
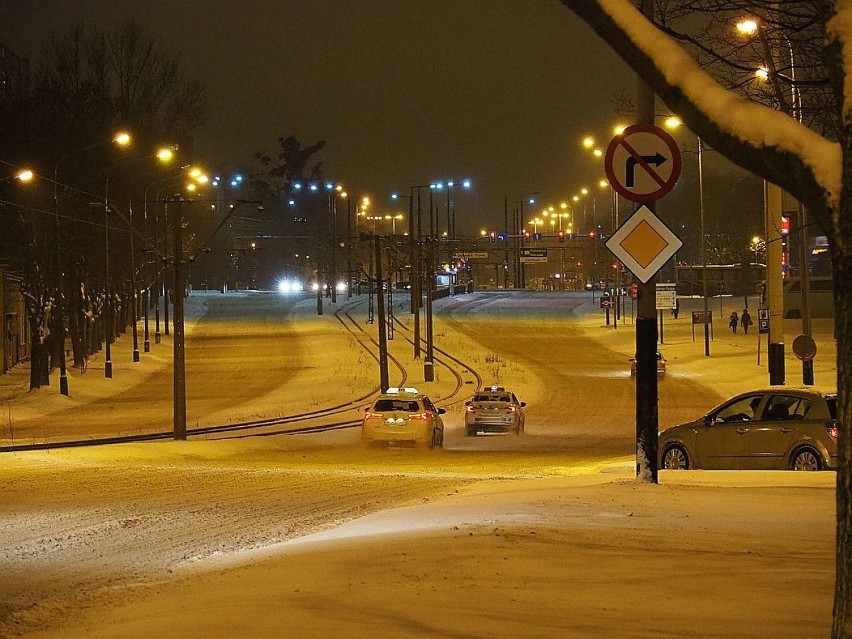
646 332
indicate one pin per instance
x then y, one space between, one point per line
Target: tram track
272 426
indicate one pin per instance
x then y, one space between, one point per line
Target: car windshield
396 404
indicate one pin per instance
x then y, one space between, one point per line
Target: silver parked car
774 428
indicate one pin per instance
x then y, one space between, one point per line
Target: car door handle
787 430
742 431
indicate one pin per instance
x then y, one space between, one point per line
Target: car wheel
806 459
675 458
430 441
470 432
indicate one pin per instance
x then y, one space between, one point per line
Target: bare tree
89 83
804 160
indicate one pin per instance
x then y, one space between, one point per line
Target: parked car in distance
403 415
774 428
494 409
661 365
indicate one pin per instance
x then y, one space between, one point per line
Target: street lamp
22 175
773 203
393 219
122 139
673 123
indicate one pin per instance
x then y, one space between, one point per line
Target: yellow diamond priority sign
644 243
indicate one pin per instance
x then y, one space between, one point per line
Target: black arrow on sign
656 160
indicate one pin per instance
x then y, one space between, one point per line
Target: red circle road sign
643 163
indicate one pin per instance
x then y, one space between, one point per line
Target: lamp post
673 123
110 329
122 138
157 256
520 280
773 204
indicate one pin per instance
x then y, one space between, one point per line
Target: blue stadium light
234 183
394 196
450 183
466 184
314 187
292 202
439 185
532 200
238 177
329 185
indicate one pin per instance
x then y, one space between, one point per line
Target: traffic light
492 236
526 237
561 235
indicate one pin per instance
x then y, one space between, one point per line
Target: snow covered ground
546 535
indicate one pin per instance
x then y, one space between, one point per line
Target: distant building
14 74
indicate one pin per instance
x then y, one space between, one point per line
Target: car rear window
831 400
491 398
397 404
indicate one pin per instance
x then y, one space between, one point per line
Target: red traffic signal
634 290
526 237
561 235
785 225
492 236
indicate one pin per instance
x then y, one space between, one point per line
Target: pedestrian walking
676 309
745 320
733 321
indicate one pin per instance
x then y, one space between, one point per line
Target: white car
403 415
494 409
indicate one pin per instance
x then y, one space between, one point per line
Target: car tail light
470 409
419 416
370 415
510 409
832 428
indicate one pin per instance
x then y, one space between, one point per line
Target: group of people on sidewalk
744 319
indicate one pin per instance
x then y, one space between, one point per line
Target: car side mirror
442 411
709 420
523 404
468 403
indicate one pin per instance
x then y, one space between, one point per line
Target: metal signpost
643 164
666 301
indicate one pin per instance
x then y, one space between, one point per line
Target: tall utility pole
774 283
703 249
179 290
506 247
384 380
429 363
349 279
109 331
646 327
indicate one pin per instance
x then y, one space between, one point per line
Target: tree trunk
77 328
39 374
842 266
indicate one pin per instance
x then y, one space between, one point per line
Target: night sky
403 91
